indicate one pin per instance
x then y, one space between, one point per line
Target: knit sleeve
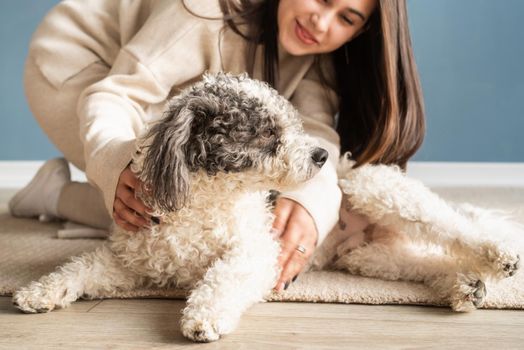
172 49
112 113
320 196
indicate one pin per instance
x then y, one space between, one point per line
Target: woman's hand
296 228
128 211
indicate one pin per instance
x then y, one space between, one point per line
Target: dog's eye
267 133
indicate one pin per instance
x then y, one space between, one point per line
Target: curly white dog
208 165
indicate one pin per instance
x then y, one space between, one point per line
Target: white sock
41 195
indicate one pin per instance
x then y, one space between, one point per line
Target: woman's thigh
55 109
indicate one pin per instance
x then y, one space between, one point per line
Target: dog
407 232
207 166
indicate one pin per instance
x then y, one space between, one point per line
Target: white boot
40 197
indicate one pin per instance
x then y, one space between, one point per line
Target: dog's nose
319 156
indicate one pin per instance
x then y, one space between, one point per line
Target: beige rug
29 249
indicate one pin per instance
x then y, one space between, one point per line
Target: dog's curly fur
207 166
414 235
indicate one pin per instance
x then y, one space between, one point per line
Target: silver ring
301 249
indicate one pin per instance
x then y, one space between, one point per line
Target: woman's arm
112 114
306 215
171 49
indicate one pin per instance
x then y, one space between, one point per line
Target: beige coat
154 49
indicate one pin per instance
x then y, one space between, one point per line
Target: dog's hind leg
391 257
498 225
242 277
92 274
387 197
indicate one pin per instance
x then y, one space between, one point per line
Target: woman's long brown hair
382 117
381 111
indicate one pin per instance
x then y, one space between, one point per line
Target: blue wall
470 55
469 52
20 136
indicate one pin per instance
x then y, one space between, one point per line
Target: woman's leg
55 111
83 203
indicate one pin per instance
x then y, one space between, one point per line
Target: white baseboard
468 174
15 174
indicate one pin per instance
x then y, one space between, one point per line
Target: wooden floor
153 324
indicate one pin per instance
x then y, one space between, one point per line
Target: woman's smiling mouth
304 35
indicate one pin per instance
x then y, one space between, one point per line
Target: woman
97 71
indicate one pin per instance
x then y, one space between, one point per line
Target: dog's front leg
242 277
89 274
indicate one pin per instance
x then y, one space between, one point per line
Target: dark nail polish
155 220
294 278
286 285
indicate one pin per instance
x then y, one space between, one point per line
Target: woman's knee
55 108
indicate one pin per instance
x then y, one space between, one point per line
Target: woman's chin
297 50
293 47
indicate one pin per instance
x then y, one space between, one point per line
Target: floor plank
154 323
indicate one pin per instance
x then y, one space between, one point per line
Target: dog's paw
503 262
468 293
202 331
31 301
508 264
510 268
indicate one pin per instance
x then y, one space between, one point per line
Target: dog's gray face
227 123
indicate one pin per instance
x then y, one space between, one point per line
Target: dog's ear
165 171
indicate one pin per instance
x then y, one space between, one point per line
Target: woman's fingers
289 241
131 212
300 234
129 179
283 209
292 259
123 223
129 215
127 196
292 269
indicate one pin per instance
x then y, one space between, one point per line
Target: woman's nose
321 20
